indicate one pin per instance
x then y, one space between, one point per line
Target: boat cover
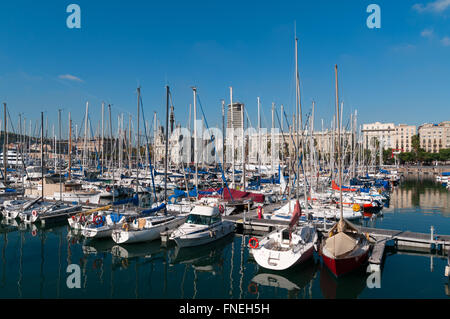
340 244
259 198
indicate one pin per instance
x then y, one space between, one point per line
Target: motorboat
203 225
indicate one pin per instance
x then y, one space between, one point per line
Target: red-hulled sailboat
345 249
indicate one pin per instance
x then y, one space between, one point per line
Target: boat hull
204 237
342 266
283 260
121 236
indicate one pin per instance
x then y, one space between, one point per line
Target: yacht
203 225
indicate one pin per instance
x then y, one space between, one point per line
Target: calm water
34 261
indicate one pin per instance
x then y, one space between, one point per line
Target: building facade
403 137
377 132
434 137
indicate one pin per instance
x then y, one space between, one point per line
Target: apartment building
434 137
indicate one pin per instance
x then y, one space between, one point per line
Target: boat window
215 219
198 219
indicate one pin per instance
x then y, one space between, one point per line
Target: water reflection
423 193
349 286
297 281
205 258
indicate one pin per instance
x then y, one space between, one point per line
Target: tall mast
42 155
243 147
103 137
130 149
59 156
5 145
85 135
167 143
223 139
272 142
339 144
232 131
138 151
259 139
155 130
70 148
194 89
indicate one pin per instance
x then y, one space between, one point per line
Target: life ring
253 288
33 233
250 243
221 209
356 207
73 217
34 212
98 220
108 189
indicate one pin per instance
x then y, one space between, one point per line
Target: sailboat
345 249
287 247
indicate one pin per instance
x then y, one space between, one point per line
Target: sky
397 73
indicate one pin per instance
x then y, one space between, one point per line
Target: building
378 132
434 137
235 119
403 137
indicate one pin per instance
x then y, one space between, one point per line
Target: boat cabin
204 215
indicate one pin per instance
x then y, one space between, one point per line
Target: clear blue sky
399 73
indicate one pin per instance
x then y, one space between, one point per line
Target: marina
194 156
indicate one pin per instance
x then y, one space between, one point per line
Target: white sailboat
287 247
146 228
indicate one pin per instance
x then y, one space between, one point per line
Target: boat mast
223 141
243 148
42 155
339 145
5 145
167 143
103 137
138 141
85 136
70 148
194 89
232 133
272 144
59 156
259 142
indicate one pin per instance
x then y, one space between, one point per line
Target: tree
415 143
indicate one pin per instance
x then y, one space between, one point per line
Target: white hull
204 237
100 232
278 252
122 236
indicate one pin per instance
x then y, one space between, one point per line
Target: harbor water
34 262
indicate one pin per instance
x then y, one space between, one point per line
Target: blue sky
399 73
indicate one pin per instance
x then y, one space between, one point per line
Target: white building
434 137
382 132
